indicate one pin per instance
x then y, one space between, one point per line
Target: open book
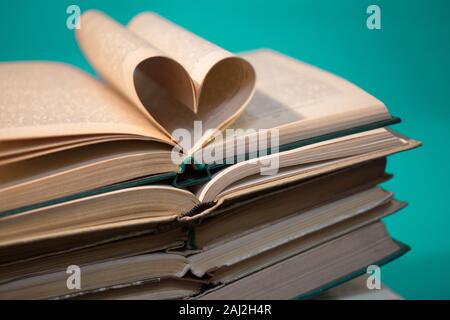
80 136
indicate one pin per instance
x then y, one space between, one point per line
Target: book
222 262
293 277
175 289
79 136
103 219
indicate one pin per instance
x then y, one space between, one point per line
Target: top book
61 127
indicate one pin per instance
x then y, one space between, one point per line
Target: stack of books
187 172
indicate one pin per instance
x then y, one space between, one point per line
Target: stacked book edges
94 206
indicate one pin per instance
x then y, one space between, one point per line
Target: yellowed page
19 147
41 150
175 76
44 99
75 170
197 55
113 51
299 100
290 92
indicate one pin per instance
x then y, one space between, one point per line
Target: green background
406 64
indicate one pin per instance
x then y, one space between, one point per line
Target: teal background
406 64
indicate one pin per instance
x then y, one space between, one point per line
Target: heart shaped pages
174 77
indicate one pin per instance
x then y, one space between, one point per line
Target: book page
19 147
45 99
166 71
195 54
245 177
290 92
299 101
20 150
